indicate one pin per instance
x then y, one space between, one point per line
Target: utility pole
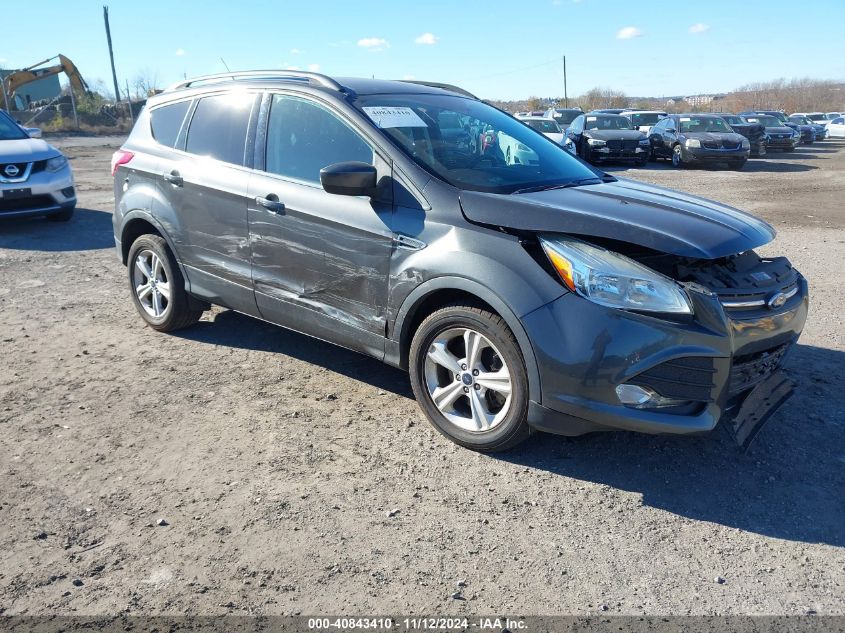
111 56
565 95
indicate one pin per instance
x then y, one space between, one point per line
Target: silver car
35 178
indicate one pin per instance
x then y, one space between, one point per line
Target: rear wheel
469 378
157 286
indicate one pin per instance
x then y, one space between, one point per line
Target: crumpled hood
714 136
615 135
629 211
26 150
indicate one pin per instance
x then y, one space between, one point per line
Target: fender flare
402 322
143 214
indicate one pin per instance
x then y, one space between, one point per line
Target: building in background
46 88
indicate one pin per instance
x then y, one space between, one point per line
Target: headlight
596 141
746 144
645 141
692 142
612 280
56 163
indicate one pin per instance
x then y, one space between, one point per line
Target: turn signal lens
120 157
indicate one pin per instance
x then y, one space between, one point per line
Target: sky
498 49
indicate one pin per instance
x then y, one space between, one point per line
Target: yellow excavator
13 81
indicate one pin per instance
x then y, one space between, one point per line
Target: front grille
25 204
730 145
687 378
21 170
749 370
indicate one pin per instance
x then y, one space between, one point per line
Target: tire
642 162
677 157
62 216
737 164
438 363
162 313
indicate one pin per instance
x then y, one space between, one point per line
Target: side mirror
34 132
351 178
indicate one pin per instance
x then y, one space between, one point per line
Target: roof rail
297 75
435 84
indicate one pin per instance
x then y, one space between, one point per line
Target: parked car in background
688 139
610 110
754 132
780 136
600 137
642 120
816 117
830 116
563 116
547 127
810 131
35 177
836 128
514 151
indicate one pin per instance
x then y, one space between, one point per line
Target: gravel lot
297 477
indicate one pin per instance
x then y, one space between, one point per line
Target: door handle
174 178
271 203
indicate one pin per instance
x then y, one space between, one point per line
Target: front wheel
677 157
469 378
157 286
736 165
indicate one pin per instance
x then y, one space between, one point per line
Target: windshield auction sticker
385 117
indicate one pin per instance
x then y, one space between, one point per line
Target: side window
303 137
839 120
219 127
166 121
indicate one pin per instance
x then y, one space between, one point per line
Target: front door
320 261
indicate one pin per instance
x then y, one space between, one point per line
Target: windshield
765 119
800 120
704 124
9 130
733 120
832 115
565 117
548 126
491 152
607 122
645 118
817 116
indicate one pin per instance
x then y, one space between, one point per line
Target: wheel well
132 231
431 303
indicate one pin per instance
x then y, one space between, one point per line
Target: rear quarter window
166 121
219 127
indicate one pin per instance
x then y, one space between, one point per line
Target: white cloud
180 52
695 29
295 51
314 68
408 77
374 44
629 32
427 38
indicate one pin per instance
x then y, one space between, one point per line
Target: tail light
120 157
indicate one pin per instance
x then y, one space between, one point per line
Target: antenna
225 64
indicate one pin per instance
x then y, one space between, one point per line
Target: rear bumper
584 351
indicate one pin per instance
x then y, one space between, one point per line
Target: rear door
320 261
209 184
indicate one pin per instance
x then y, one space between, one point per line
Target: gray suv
536 293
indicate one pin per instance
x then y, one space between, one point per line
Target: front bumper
584 351
602 153
42 193
708 155
783 143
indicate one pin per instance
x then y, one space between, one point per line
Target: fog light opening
639 397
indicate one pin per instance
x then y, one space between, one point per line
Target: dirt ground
296 477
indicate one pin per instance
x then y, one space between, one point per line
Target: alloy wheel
152 287
468 380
